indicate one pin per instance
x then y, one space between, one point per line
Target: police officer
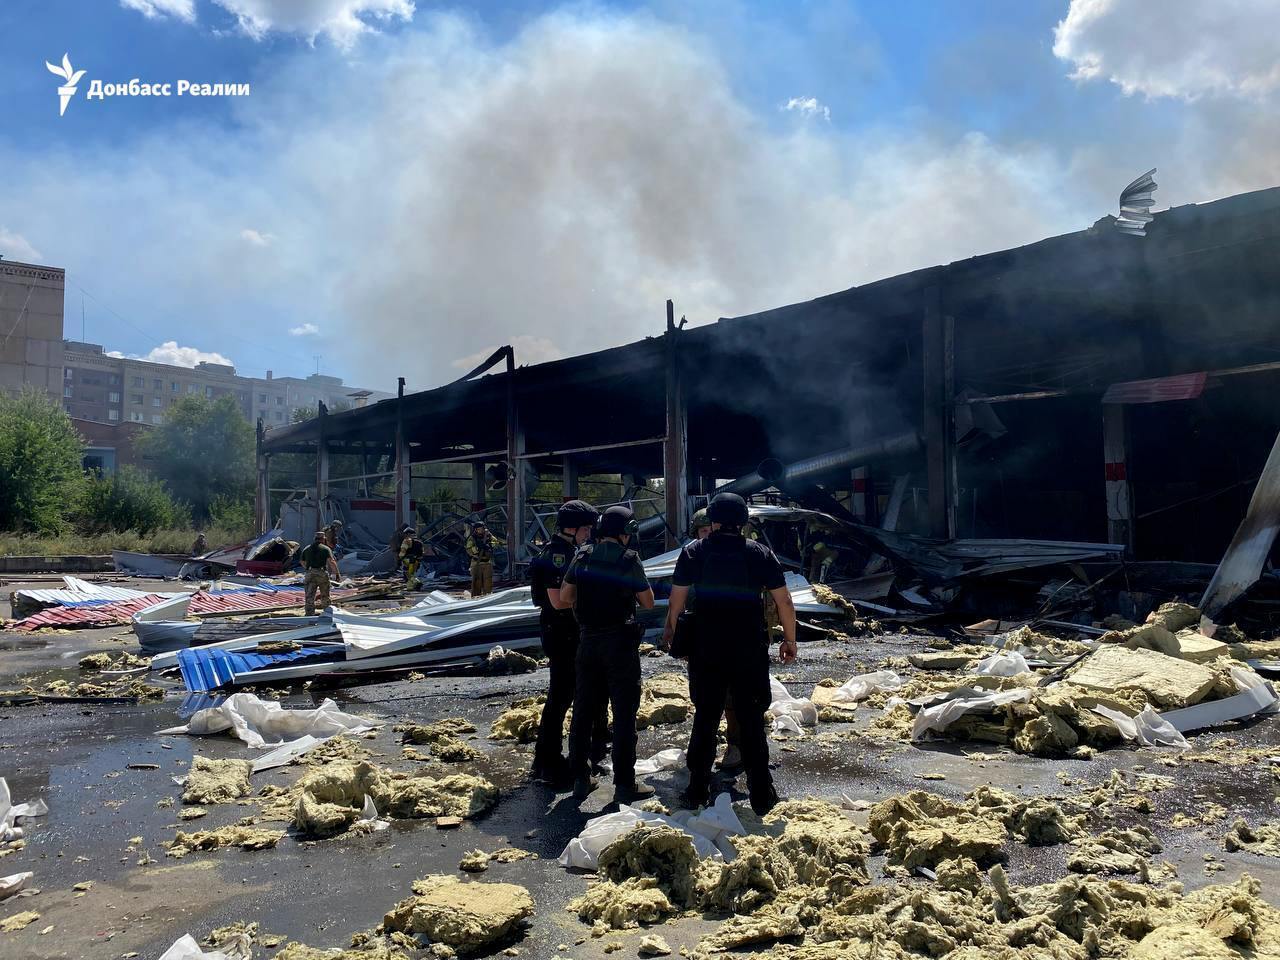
730 652
479 546
700 529
604 583
317 564
559 630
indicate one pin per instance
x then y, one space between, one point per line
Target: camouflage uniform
315 561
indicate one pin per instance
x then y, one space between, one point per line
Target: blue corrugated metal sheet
205 669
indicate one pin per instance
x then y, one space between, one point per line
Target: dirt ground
76 757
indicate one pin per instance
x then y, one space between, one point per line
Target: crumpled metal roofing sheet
89 614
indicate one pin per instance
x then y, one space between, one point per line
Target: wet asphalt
75 756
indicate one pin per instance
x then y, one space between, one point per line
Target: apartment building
30 326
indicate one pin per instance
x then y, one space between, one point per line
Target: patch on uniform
558 559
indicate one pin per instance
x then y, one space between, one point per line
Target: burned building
1095 386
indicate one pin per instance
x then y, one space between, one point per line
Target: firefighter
479 546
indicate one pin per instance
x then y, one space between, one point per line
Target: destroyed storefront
1093 388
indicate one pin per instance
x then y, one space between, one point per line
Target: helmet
618 521
576 513
319 535
700 519
336 523
728 509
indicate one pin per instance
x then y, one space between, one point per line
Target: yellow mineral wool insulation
465 916
922 829
217 781
245 837
429 732
1263 840
766 925
519 722
664 699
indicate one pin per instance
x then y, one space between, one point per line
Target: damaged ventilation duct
1136 201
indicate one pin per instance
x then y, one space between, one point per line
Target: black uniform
559 632
607 576
730 652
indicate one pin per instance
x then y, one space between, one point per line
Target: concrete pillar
675 479
939 437
1115 456
569 469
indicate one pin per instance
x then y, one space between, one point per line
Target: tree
128 500
204 451
40 471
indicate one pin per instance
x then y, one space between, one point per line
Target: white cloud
342 21
304 330
529 350
151 9
169 352
808 107
256 239
1175 48
14 246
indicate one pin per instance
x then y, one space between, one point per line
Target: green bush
233 514
128 500
40 472
203 452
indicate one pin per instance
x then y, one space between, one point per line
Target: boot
763 798
583 787
695 795
631 792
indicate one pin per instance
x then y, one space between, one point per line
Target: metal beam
262 498
569 478
478 494
402 465
938 362
322 456
675 479
601 446
515 474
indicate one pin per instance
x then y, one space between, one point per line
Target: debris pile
520 721
463 916
217 781
664 699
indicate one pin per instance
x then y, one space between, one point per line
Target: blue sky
409 185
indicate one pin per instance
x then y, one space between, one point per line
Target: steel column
569 472
674 449
1115 456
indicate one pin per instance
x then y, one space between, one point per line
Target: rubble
237 835
465 916
217 781
330 797
503 661
1114 851
767 925
1264 840
652 945
18 921
664 699
922 829
122 660
1166 681
520 721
